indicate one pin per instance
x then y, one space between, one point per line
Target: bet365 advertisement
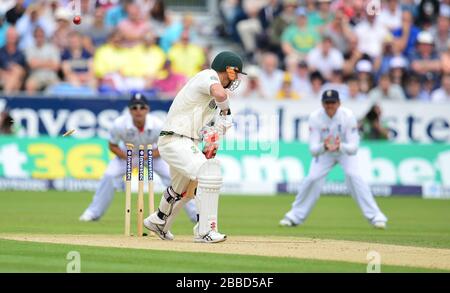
248 168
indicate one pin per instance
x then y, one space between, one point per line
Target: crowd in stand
294 49
378 50
118 47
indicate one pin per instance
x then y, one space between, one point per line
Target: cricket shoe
210 237
155 224
88 216
285 222
379 225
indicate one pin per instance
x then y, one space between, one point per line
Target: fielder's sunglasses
138 107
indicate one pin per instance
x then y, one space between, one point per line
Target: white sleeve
316 146
114 135
207 79
350 147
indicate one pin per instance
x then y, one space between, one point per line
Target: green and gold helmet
232 64
227 59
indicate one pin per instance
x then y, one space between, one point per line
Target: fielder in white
201 103
137 127
334 139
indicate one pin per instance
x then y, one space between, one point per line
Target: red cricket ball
77 19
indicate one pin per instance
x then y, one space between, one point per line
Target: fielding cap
330 96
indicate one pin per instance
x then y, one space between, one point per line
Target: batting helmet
226 59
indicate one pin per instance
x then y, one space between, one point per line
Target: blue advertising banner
89 117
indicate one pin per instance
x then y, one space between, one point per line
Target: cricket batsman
137 127
333 139
201 109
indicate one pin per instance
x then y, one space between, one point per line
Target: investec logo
141 165
150 163
129 164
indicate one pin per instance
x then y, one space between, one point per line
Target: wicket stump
140 198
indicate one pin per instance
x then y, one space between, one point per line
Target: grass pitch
412 222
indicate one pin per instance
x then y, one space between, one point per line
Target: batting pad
207 199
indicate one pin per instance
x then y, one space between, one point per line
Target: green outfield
412 222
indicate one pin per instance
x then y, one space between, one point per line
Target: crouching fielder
333 139
202 102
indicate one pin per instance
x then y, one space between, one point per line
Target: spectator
159 19
354 93
114 15
6 5
230 11
252 88
322 17
428 12
147 6
299 38
4 25
336 82
391 15
371 127
267 16
441 33
317 82
173 32
300 77
153 58
251 27
414 89
428 85
77 64
359 11
364 70
271 77
345 6
16 12
339 31
106 4
310 5
63 28
107 72
6 124
442 94
411 6
97 33
269 12
12 63
386 91
170 83
382 63
371 34
281 22
325 58
352 57
49 9
445 59
406 35
398 70
44 61
187 59
286 91
27 24
425 59
444 8
134 27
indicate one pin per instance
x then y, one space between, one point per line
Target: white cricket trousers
114 172
184 158
309 190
